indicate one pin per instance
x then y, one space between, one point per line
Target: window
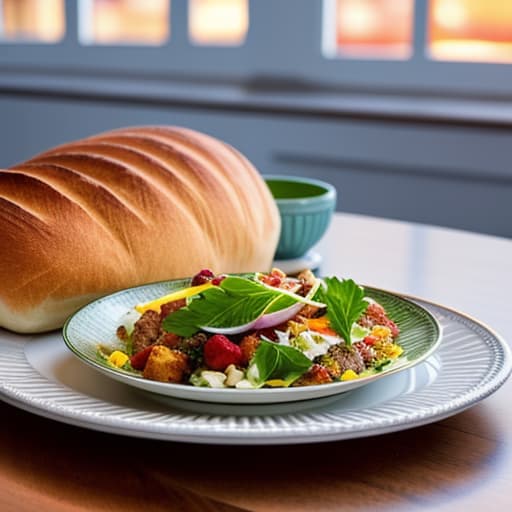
32 20
218 22
298 45
124 21
456 30
370 28
470 30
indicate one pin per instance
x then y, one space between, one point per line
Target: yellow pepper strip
276 383
117 358
349 375
171 297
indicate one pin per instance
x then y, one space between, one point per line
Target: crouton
166 365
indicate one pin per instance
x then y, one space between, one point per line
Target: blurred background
404 105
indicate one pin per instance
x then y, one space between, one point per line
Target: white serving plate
39 374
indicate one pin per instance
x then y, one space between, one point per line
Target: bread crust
122 208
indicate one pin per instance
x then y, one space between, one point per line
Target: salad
254 331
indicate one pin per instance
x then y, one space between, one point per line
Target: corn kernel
379 331
117 358
395 351
349 375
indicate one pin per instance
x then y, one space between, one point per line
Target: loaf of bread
122 208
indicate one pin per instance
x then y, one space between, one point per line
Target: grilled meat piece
339 359
146 331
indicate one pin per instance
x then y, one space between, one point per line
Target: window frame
292 63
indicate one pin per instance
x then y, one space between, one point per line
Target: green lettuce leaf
237 301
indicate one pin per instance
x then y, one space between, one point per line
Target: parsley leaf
345 304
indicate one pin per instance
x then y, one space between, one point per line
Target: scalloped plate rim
33 399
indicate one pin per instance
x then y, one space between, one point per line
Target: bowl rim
330 190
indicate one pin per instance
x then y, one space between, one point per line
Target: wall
454 173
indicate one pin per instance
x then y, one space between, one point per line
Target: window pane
124 21
32 20
471 30
218 22
371 28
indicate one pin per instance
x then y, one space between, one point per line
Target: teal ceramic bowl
306 206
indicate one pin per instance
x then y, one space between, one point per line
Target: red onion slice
278 317
230 330
262 322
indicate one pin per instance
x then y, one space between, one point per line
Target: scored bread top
123 208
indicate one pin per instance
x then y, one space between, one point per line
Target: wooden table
461 463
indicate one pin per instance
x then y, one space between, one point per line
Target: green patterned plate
97 322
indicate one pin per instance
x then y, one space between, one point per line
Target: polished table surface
461 463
